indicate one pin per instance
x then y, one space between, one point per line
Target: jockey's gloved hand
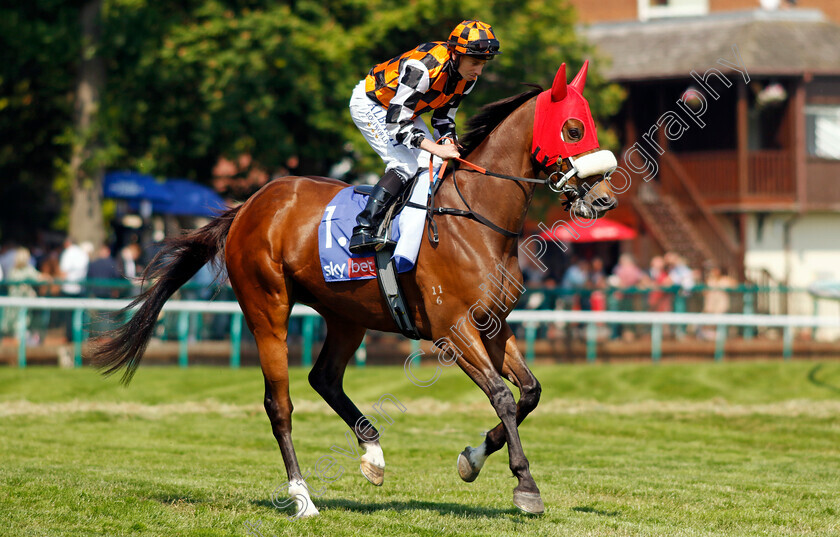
448 140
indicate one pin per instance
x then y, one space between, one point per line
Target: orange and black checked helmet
474 38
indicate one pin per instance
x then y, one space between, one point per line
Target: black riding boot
365 234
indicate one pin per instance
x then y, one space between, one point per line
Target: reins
431 210
484 171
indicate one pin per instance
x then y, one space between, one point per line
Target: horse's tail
177 262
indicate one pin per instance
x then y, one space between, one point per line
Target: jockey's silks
444 82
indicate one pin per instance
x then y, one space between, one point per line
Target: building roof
786 42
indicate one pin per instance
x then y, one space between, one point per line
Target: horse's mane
489 117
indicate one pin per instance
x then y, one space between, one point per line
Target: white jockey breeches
369 117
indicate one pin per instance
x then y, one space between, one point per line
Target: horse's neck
507 150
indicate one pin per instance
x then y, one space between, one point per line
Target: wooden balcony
823 185
770 179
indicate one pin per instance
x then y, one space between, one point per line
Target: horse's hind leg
268 317
327 378
514 368
278 406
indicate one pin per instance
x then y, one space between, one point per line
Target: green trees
186 82
40 43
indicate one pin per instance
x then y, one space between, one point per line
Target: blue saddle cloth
334 233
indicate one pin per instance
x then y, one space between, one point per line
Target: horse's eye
574 133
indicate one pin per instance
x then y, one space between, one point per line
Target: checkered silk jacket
413 83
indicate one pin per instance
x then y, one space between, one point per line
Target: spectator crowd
77 270
69 263
68 269
668 284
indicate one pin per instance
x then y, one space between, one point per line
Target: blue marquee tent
128 185
189 199
179 197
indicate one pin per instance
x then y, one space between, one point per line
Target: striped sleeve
443 119
414 82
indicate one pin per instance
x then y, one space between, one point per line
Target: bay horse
270 246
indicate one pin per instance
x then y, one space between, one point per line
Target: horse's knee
316 380
324 383
503 401
530 397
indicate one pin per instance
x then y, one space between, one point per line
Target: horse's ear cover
554 107
580 79
558 87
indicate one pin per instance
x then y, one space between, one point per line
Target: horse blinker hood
556 106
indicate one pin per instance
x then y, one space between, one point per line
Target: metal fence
529 320
742 298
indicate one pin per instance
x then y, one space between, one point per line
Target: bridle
556 180
553 183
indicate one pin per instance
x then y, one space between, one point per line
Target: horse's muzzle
588 208
598 199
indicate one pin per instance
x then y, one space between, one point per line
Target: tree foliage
189 81
40 45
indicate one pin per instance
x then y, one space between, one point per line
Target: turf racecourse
748 448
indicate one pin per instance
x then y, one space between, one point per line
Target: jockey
386 106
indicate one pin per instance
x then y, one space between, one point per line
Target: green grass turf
674 449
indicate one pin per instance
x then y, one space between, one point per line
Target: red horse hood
554 107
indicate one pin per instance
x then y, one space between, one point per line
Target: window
657 9
822 126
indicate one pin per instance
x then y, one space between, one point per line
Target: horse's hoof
466 470
529 502
310 512
374 474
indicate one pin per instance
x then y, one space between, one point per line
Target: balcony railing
715 173
823 185
770 176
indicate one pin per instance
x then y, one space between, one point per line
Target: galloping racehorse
270 245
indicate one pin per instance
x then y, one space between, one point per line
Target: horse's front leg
482 360
515 369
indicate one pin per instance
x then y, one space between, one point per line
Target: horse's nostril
584 209
605 203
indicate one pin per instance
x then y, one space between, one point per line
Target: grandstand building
730 132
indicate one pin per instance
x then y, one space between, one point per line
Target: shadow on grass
441 508
587 509
812 378
174 499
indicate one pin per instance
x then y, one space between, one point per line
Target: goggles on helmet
483 46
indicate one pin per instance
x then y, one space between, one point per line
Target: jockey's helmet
474 38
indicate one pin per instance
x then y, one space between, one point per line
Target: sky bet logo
359 268
334 270
362 267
